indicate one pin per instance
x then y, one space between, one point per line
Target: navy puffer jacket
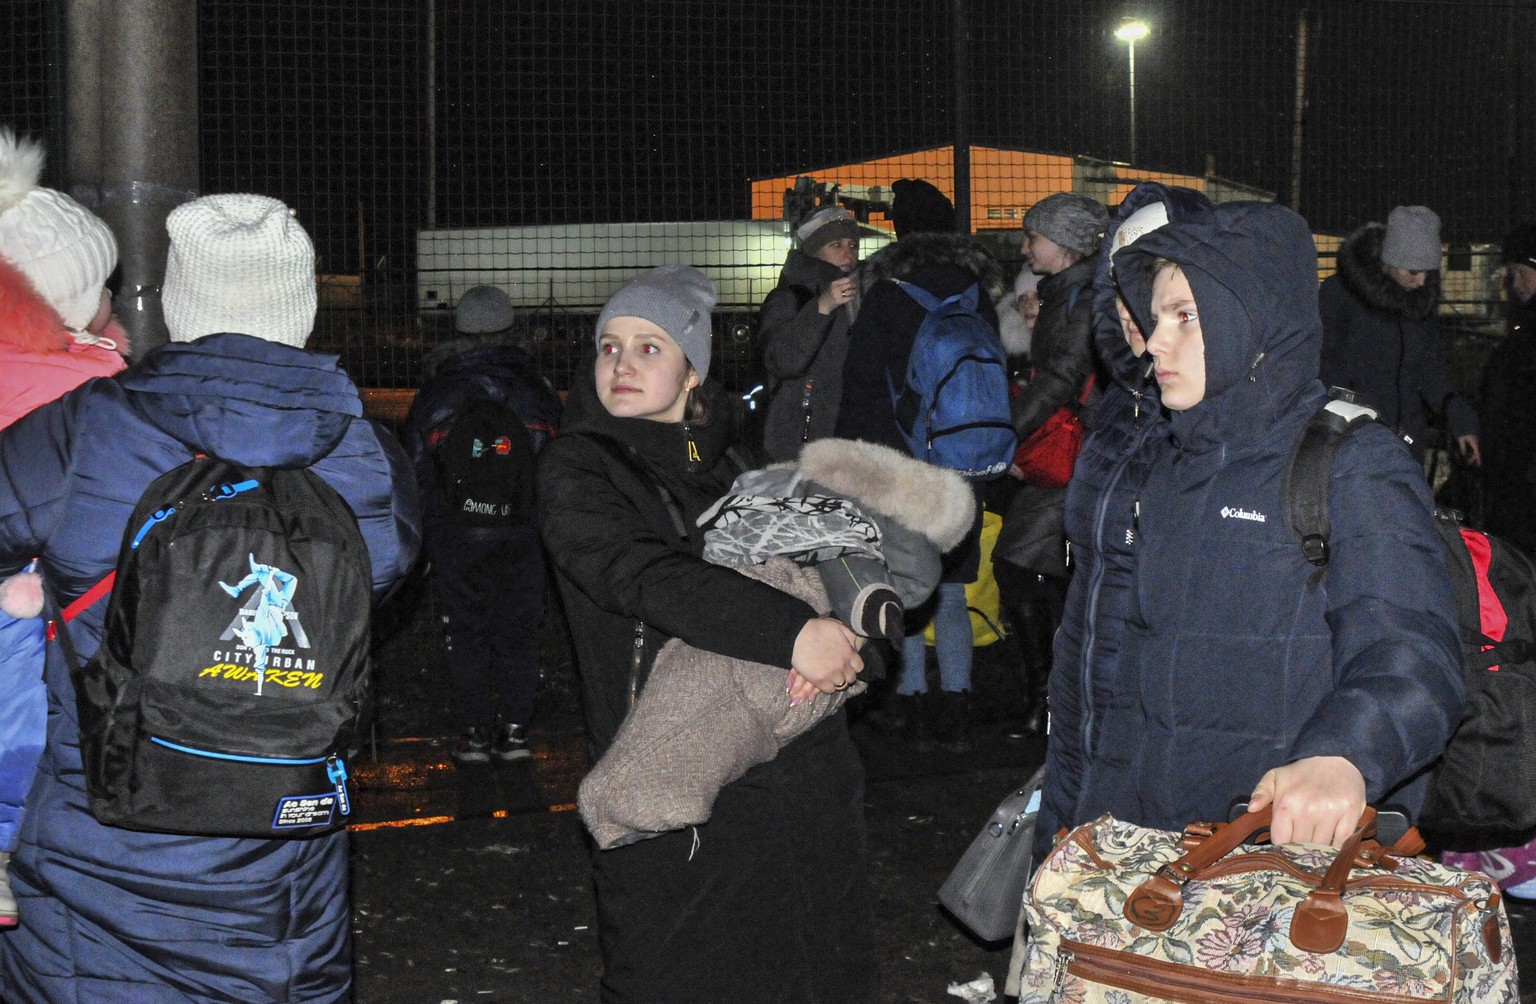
113 914
1122 431
1238 656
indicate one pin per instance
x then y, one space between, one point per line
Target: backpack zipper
335 766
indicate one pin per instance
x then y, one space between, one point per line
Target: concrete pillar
131 140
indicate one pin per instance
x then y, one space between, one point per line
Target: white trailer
575 268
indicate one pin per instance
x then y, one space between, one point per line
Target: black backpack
1482 791
222 569
485 465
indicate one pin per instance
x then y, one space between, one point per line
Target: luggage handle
1319 922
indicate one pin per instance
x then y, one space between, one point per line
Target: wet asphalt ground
471 885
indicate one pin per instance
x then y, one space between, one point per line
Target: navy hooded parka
120 915
1235 655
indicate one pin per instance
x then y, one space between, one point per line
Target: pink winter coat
39 359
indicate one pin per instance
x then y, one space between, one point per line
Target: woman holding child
769 900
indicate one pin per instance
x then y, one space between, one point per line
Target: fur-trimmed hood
1362 272
928 500
28 323
916 252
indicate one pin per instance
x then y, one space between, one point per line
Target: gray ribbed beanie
1076 222
483 310
1412 240
675 298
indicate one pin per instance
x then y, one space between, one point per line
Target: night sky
561 111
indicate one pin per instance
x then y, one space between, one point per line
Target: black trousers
490 592
769 903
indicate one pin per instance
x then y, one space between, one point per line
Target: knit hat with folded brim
824 226
65 250
239 263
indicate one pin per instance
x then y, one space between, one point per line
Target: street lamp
1130 32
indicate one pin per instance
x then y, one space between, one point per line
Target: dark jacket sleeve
34 480
1398 690
371 471
600 539
1334 303
877 355
1438 392
791 333
1063 371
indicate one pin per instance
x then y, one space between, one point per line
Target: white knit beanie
239 263
63 249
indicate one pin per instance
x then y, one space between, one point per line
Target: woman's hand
839 292
1316 801
826 659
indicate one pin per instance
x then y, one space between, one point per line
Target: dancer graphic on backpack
264 627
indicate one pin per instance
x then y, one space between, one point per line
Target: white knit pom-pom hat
63 248
239 263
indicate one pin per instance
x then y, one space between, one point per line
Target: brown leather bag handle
1158 901
1320 921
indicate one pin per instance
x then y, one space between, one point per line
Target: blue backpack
953 408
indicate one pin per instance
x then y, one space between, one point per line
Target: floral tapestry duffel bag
1121 914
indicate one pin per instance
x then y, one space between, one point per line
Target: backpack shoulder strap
924 299
1306 479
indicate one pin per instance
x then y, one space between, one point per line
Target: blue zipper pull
336 770
159 516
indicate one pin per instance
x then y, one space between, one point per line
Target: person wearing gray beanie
620 494
678 300
803 328
826 225
1412 240
483 310
1381 331
1074 222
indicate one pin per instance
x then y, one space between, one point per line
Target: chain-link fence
554 147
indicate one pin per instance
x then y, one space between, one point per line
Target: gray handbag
985 890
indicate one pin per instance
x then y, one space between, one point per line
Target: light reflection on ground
415 782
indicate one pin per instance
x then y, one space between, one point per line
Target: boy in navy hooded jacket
1243 671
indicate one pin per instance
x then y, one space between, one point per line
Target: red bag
1046 458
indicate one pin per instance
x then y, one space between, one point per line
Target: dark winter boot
952 726
919 734
1037 631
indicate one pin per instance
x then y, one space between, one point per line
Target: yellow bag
981 594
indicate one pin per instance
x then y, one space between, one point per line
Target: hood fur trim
1362 272
441 355
928 500
27 322
918 251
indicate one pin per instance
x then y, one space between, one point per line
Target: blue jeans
952 641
